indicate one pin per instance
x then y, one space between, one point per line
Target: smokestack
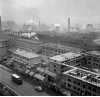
68 24
0 25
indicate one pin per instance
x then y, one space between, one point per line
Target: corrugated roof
46 72
38 76
31 73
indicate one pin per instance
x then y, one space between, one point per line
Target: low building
39 78
59 63
24 59
82 81
50 75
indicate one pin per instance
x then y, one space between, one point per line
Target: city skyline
51 11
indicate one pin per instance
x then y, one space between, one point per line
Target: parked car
66 93
38 88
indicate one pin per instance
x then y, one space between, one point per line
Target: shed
31 73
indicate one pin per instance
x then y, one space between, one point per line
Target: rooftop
94 53
3 39
46 71
62 47
66 56
85 75
26 54
38 76
97 41
29 40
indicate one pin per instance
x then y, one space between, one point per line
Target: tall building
2 48
68 24
0 24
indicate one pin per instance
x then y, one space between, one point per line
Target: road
25 89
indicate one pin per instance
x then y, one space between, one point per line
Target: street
25 89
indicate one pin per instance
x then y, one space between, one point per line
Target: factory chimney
68 24
0 25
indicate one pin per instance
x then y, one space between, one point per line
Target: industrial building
59 63
82 81
50 49
24 59
93 59
28 44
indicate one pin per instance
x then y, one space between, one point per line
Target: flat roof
94 53
26 54
66 56
38 76
84 74
46 71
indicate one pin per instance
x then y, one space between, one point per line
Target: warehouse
24 59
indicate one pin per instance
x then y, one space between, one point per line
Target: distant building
50 49
89 27
27 28
9 25
28 44
3 51
68 24
0 25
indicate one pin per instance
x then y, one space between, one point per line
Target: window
78 89
96 64
89 62
62 66
74 88
97 60
74 82
94 90
93 63
69 80
69 85
77 61
89 88
54 65
78 83
94 60
54 70
84 86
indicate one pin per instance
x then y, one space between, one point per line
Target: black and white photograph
49 47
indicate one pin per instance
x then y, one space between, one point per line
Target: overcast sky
51 11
